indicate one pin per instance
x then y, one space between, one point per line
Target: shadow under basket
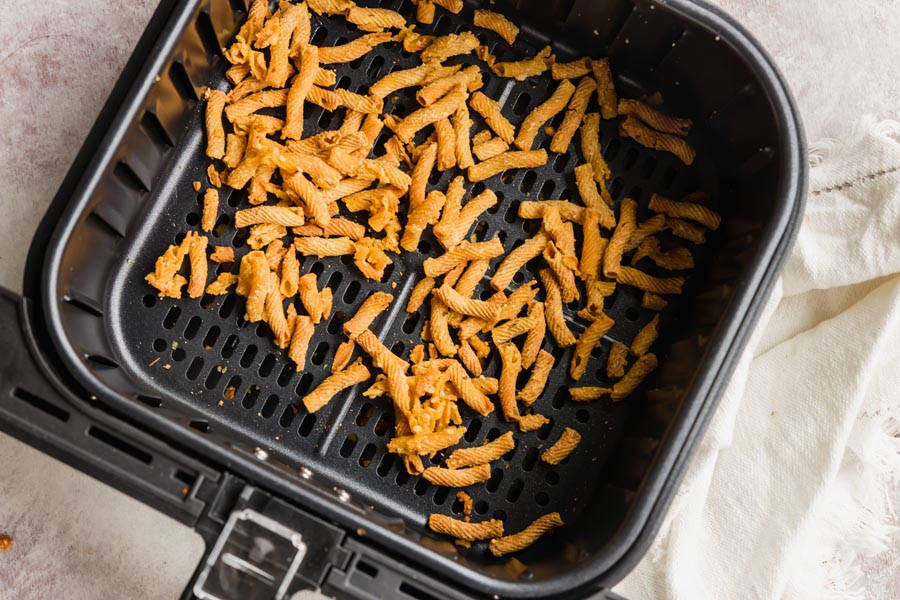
206 385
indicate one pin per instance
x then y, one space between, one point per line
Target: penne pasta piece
446 144
532 422
463 253
490 111
535 339
215 133
470 77
553 311
588 394
467 306
425 214
277 215
508 160
529 209
451 232
623 388
516 259
375 19
220 286
592 247
511 360
300 338
352 50
197 259
653 302
644 339
334 384
512 329
398 80
574 114
676 259
631 127
468 391
424 11
685 210
222 254
523 69
490 149
571 70
446 106
300 87
617 360
469 358
533 389
368 311
587 341
325 246
249 105
686 230
453 6
439 327
606 90
210 209
484 454
654 224
462 530
446 46
562 448
543 113
612 258
590 149
462 126
497 23
342 355
564 275
457 477
648 283
420 292
519 541
654 118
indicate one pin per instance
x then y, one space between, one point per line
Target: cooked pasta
342 355
446 46
300 338
275 215
590 148
532 422
606 90
571 70
352 50
512 329
530 209
654 224
215 133
523 69
648 283
320 247
617 360
210 209
542 113
300 87
467 306
221 284
462 127
197 258
588 394
685 210
375 19
446 106
335 384
562 448
446 144
612 258
553 311
368 311
290 274
497 23
419 293
587 341
519 541
451 233
564 275
687 230
439 327
463 530
574 114
490 148
490 111
676 259
468 391
484 454
654 118
535 339
457 477
470 77
642 367
516 259
631 127
538 380
644 339
653 301
463 253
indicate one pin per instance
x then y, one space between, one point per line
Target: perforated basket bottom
192 351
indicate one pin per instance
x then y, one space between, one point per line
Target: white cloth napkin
788 485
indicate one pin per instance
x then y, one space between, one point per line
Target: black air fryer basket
103 374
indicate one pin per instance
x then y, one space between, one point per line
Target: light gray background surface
78 539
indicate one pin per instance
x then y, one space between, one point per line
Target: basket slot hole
402 477
409 325
521 105
530 459
232 387
612 149
159 344
507 176
207 300
269 406
481 230
287 416
267 365
398 348
334 280
440 495
178 354
306 425
153 401
385 464
547 190
192 219
120 445
89 306
365 413
559 164
154 129
544 432
304 385
211 337
248 355
668 178
348 445
515 490
351 292
472 430
149 301
99 361
287 372
616 187
200 425
214 377
319 36
366 456
192 328
630 159
182 82
481 507
184 477
263 330
250 396
512 213
494 482
421 487
124 173
648 167
383 425
207 34
227 306
541 499
230 345
318 356
416 593
334 324
41 404
375 66
194 368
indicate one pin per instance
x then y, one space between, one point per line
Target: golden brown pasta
457 477
215 133
562 448
587 189
469 358
676 259
325 246
446 106
543 113
535 339
453 6
588 394
463 253
654 118
490 148
275 215
424 11
450 233
300 87
686 230
235 145
564 275
653 302
300 338
648 283
446 144
439 327
251 104
523 69
398 80
470 77
375 19
631 127
532 422
371 307
446 46
617 360
290 274
210 209
654 224
530 209
633 378
553 311
310 297
197 258
462 530
426 442
592 246
538 380
214 177
644 339
512 329
490 111
462 126
480 455
420 292
352 50
513 305
612 258
468 391
221 284
508 160
426 213
330 7
571 70
606 90
471 277
519 541
467 306
685 210
511 360
497 23
574 114
516 259
334 384
590 148
342 355
336 227
587 341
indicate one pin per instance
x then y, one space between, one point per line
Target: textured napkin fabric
788 485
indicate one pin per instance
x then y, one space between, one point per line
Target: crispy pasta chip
463 530
654 224
468 391
508 160
511 360
535 339
373 306
490 111
653 302
443 108
588 394
571 70
644 339
633 378
523 69
648 283
300 339
633 128
420 292
606 90
334 384
497 23
685 210
519 541
538 380
587 341
590 148
221 284
655 119
487 453
612 258
210 209
463 253
457 477
562 448
516 259
375 19
574 114
617 360
352 50
446 46
553 311
543 113
215 133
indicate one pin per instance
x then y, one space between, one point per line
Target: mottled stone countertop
78 539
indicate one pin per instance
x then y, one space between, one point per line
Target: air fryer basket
164 365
